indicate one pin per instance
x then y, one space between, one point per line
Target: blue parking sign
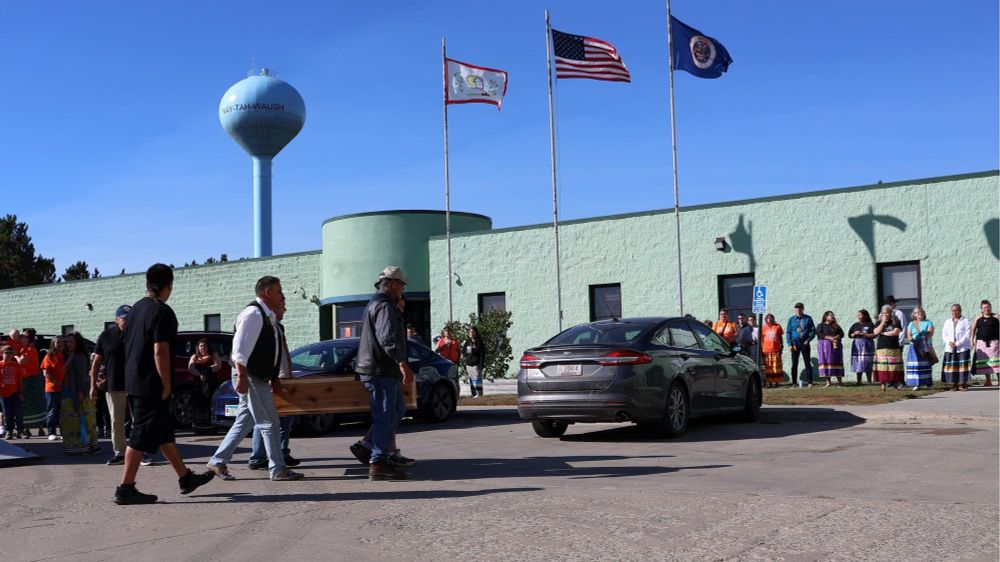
759 299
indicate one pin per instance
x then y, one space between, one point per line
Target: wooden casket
330 394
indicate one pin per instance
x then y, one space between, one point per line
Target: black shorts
152 423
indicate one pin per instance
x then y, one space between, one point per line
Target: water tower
262 114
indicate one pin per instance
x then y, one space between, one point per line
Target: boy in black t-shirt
150 332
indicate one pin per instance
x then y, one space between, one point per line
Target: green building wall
356 248
223 289
820 248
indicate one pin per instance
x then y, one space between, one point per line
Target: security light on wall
720 243
88 306
313 299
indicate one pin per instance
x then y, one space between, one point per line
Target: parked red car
183 383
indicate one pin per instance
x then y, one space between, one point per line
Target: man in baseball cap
110 351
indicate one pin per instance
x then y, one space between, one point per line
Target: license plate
567 370
231 410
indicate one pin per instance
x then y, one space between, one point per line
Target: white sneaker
52 437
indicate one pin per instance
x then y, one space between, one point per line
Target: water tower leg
261 207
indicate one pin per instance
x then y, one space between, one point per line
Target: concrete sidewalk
978 406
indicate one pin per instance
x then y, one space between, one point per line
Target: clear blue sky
113 153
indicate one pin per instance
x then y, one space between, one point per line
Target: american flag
585 57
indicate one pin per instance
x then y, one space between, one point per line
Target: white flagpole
447 180
555 191
673 146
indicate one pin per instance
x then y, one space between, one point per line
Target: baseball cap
393 272
798 305
123 311
890 300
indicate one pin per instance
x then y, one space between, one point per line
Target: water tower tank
262 114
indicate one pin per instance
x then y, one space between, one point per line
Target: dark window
492 301
108 325
326 322
605 302
681 336
68 329
902 281
618 333
418 313
709 339
213 323
349 319
736 294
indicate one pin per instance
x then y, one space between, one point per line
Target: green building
934 241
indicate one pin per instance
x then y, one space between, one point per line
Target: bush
493 326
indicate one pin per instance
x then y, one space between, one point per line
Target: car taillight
529 361
624 357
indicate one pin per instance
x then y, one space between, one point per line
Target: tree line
22 266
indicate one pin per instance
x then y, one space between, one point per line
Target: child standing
11 393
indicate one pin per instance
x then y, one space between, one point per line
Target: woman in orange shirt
53 369
726 329
447 346
771 339
33 406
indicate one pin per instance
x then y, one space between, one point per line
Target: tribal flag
697 53
585 57
468 83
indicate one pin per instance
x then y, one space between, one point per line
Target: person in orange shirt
772 344
53 368
10 392
33 406
726 329
447 346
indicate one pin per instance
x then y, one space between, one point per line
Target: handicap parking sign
759 299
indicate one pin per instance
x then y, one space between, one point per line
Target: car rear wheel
754 399
440 404
675 413
318 424
548 428
183 414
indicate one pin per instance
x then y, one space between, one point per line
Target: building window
736 294
605 302
108 325
492 301
213 323
902 281
349 319
68 329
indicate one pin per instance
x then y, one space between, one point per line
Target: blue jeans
256 411
12 419
53 411
388 408
259 453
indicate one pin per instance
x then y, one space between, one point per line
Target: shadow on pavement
777 422
52 452
244 497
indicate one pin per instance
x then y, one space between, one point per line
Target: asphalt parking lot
808 484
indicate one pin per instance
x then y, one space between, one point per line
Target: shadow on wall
742 241
992 230
864 227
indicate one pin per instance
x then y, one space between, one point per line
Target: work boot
362 453
383 470
128 495
192 480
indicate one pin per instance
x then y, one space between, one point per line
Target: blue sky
113 153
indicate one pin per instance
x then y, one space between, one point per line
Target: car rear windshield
321 357
617 333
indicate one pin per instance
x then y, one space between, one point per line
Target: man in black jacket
382 364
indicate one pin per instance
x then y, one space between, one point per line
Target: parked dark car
183 383
436 378
657 372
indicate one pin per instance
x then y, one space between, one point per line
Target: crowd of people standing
890 349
